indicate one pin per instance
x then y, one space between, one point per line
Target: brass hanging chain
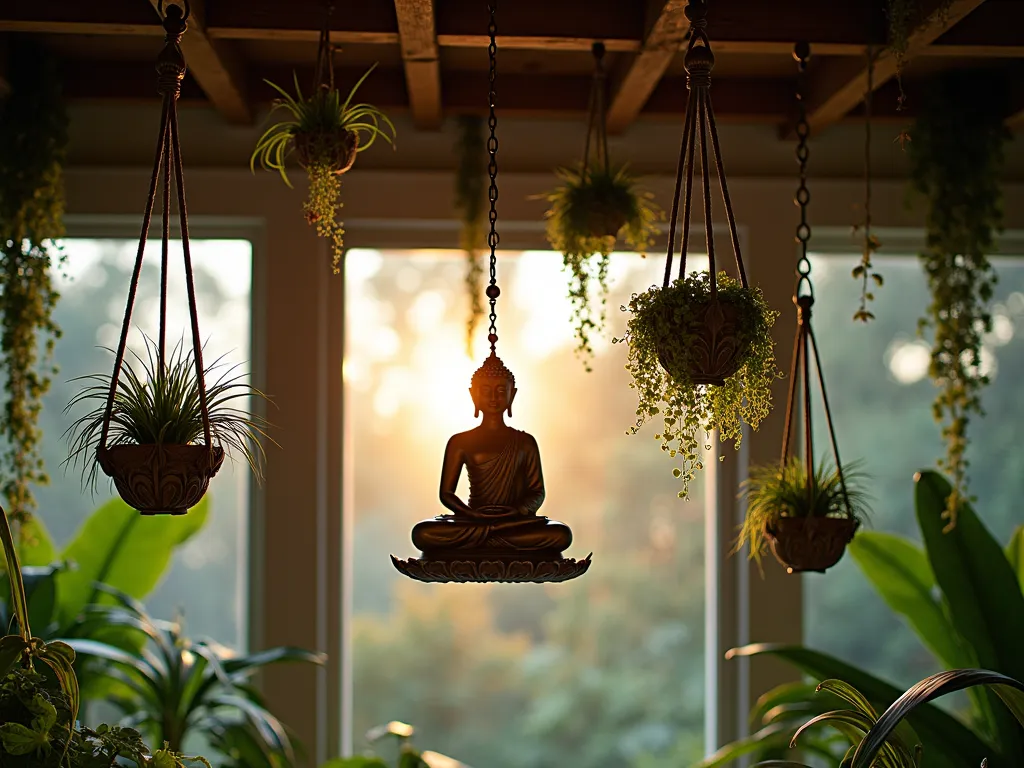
806 344
492 171
699 62
170 67
802 52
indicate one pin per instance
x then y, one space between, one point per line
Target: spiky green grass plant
321 118
608 195
157 404
773 492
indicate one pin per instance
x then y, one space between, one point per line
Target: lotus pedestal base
507 569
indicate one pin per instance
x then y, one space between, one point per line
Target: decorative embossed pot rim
140 473
340 146
668 331
810 543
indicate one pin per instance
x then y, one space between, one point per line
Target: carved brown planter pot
715 352
161 479
605 220
337 149
810 543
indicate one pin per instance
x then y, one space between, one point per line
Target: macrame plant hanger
808 543
163 479
597 132
716 363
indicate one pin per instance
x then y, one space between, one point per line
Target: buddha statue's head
493 387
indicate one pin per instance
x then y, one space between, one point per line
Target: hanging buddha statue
506 484
499 526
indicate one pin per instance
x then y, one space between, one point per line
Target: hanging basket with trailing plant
146 428
594 207
326 132
956 159
806 515
700 347
33 145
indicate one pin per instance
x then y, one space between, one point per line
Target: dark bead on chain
492 338
696 12
802 53
699 60
493 291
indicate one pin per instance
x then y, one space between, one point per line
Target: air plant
327 133
157 403
772 492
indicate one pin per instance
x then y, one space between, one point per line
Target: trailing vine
955 163
865 270
470 178
33 144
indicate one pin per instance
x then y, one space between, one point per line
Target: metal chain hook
802 53
492 171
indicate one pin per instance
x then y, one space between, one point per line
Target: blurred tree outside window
600 672
881 399
207 583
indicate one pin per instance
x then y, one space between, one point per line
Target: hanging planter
146 429
806 515
700 348
33 146
326 132
595 206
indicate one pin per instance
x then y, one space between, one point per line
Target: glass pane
603 671
90 312
881 399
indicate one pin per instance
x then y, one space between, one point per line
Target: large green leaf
949 743
932 688
123 549
981 590
36 545
1015 554
900 572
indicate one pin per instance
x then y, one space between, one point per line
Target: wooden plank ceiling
433 63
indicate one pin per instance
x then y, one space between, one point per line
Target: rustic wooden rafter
838 86
418 38
218 72
633 88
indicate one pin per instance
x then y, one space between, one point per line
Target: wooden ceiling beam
837 87
737 26
632 88
418 38
213 66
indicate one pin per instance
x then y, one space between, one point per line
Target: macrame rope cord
171 70
699 62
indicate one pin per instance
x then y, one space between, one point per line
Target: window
93 293
881 396
603 671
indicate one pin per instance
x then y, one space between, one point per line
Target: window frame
298 590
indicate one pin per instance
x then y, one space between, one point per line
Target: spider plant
158 404
328 132
174 686
773 492
590 210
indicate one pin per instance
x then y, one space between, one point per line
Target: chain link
492 171
803 195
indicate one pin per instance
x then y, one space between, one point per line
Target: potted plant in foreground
590 210
701 356
152 449
326 133
807 522
39 704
